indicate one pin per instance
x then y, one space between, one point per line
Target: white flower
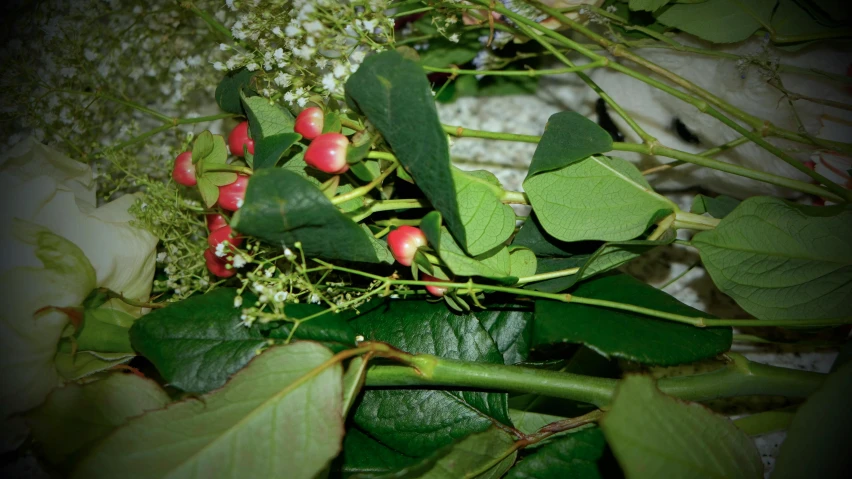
329 82
239 261
315 298
454 38
220 250
56 248
280 296
238 301
282 80
277 31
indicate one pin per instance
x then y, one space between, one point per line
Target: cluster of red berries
404 242
230 199
327 151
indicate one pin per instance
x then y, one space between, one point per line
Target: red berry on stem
223 234
215 221
309 123
328 153
231 196
238 138
434 290
184 170
403 243
218 266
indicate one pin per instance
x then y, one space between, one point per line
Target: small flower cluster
305 48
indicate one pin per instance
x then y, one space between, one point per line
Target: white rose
56 247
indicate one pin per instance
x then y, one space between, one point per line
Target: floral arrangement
235 244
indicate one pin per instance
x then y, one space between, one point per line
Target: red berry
223 234
309 123
231 196
238 138
434 290
215 221
404 242
184 170
328 153
218 266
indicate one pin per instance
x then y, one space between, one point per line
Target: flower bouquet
235 243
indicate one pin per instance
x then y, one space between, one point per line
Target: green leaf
568 138
654 435
469 457
269 149
353 381
780 260
202 147
417 422
597 198
85 363
577 452
625 334
331 122
647 5
522 262
364 456
793 18
282 208
209 192
278 417
493 265
395 96
817 443
592 258
267 119
228 91
487 222
74 417
105 330
443 53
719 21
509 325
331 329
197 343
717 207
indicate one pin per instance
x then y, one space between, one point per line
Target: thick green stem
460 132
739 378
516 73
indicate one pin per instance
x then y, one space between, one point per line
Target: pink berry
218 266
403 243
328 153
215 221
238 138
309 123
223 234
434 290
184 170
231 196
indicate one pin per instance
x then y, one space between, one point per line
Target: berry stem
363 190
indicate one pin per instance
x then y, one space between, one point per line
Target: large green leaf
267 118
719 21
331 329
228 91
793 18
281 207
279 417
471 457
647 5
364 456
269 149
509 326
592 258
717 207
494 264
654 435
197 343
597 198
442 52
73 365
105 330
395 96
625 334
417 422
781 260
75 416
568 137
817 443
488 223
575 454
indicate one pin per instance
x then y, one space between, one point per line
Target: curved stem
363 190
516 73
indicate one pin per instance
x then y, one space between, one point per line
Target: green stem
738 378
515 73
766 422
460 132
545 276
514 198
363 190
382 155
684 219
